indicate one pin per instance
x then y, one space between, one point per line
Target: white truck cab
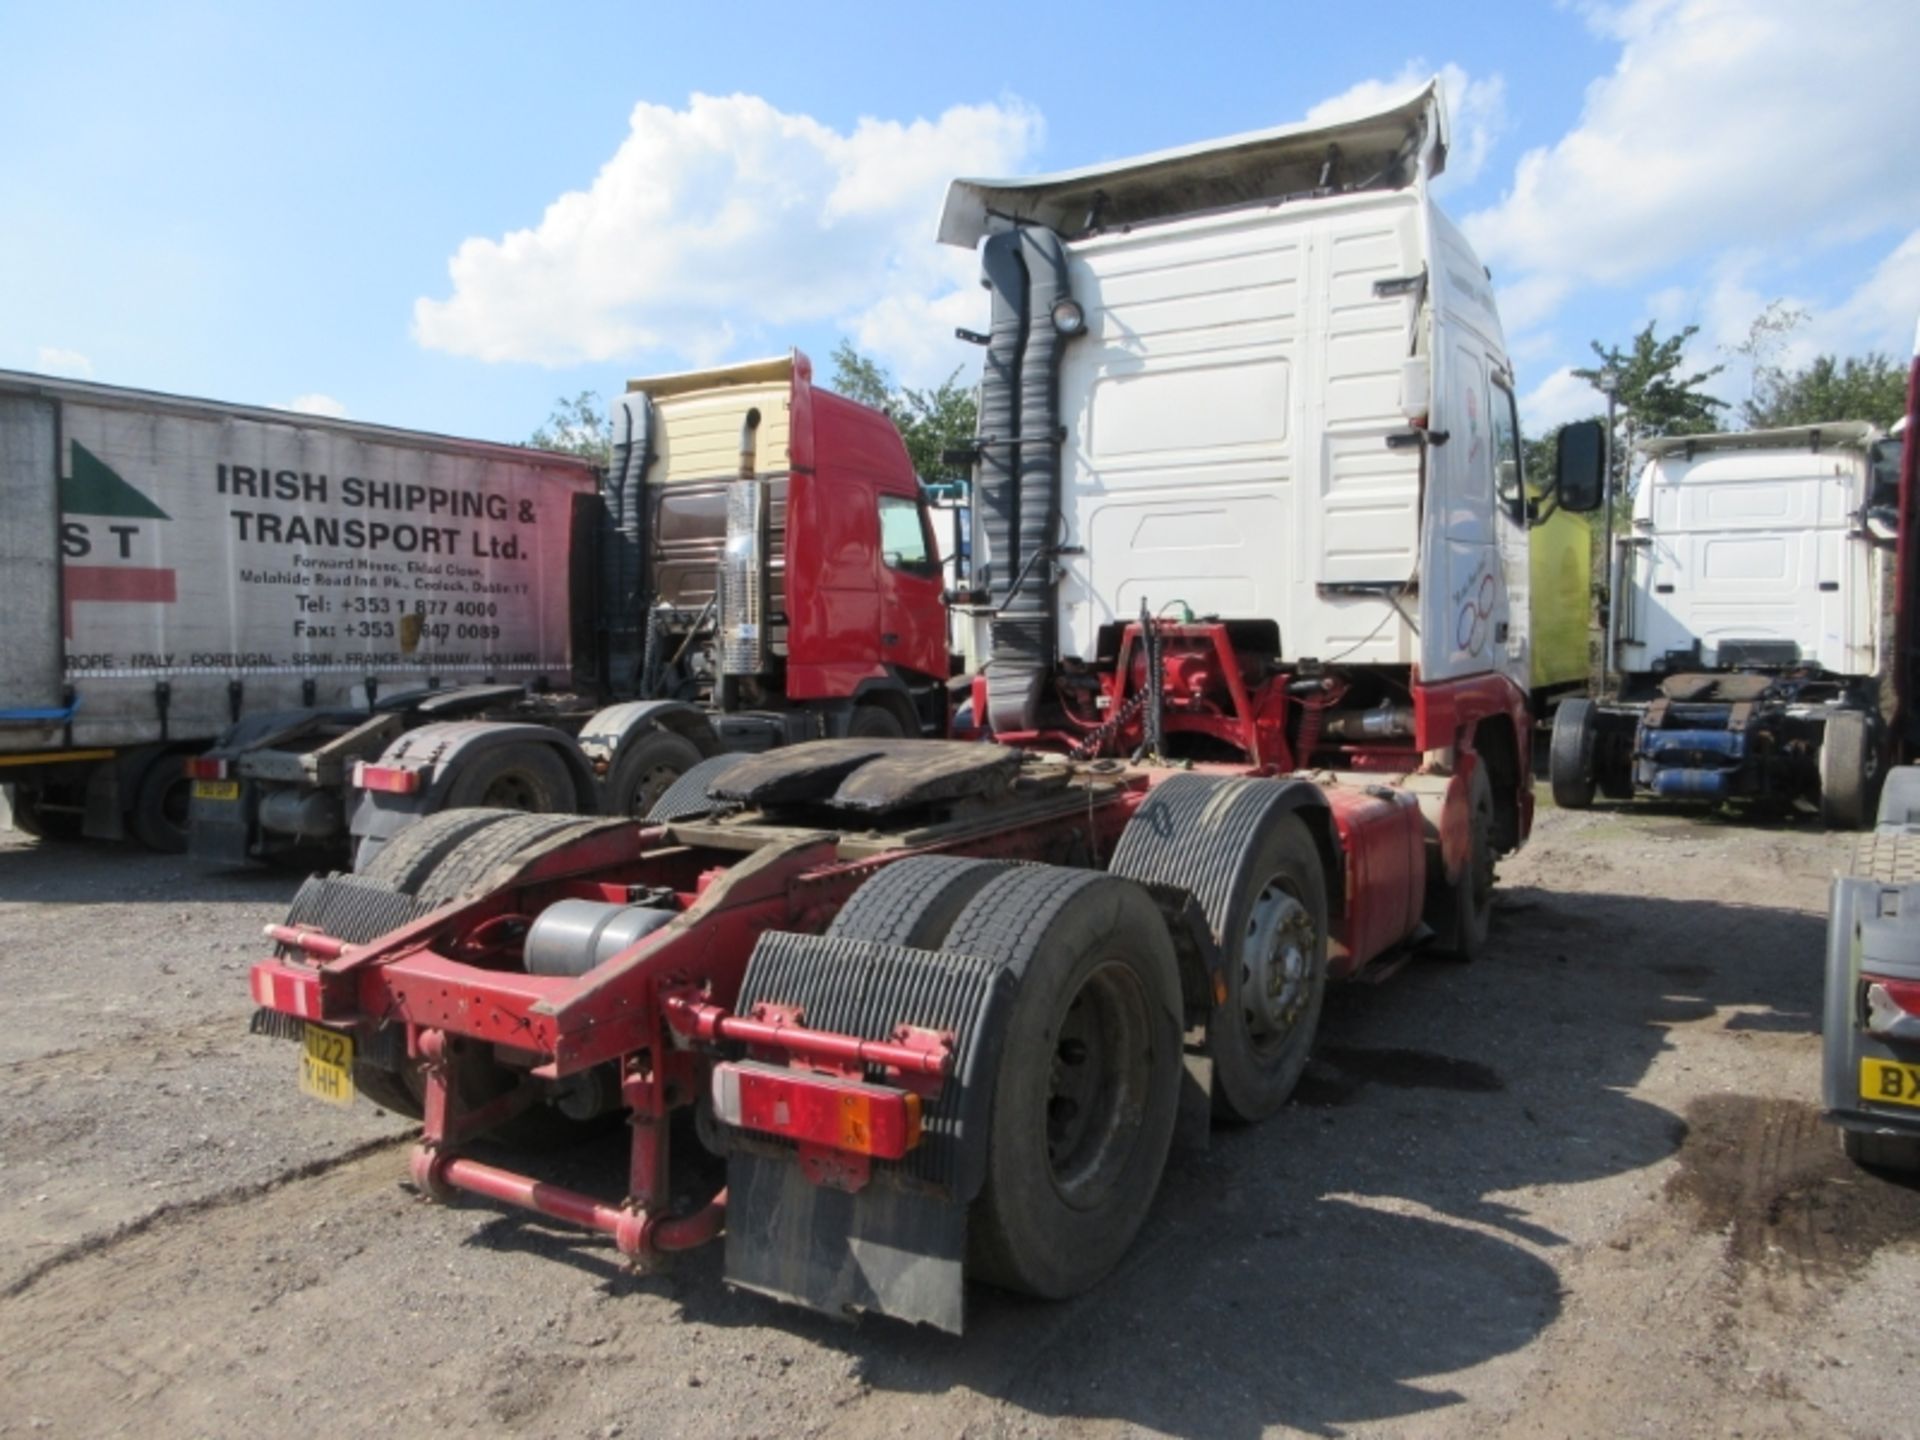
1747 626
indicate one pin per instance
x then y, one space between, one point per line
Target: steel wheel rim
654 782
1096 1096
1276 966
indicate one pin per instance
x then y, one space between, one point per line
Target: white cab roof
1380 150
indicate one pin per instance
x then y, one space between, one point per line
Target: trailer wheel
158 818
915 902
648 771
1899 1154
524 775
1088 1078
1570 759
1461 911
1849 771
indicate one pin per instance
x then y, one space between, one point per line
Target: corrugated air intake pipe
623 559
1019 474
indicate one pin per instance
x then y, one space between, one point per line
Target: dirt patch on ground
1769 1174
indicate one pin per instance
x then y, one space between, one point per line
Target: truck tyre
1259 877
1570 758
1461 911
524 775
648 770
1088 1078
1899 1154
914 902
158 817
409 857
874 722
463 869
30 819
1849 771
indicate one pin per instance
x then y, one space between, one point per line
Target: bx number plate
1888 1082
216 789
326 1065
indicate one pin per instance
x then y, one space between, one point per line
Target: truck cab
1249 485
1747 626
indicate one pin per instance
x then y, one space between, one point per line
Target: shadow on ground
1335 1266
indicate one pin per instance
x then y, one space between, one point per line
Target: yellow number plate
326 1065
1887 1082
216 789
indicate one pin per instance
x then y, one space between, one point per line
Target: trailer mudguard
896 1245
438 753
605 738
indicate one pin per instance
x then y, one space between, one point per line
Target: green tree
1652 395
1871 387
577 426
931 422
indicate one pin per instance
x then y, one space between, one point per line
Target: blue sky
360 208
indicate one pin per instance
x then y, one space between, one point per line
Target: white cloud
727 222
1723 121
54 361
1476 111
316 404
1561 397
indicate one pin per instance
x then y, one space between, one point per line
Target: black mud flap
890 1249
896 1246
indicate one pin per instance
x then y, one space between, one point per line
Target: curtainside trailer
757 567
174 566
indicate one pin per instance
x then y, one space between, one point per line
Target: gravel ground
1579 1188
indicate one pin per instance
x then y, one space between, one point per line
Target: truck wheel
1461 912
409 857
29 819
647 770
1257 873
1849 771
914 902
1570 759
522 776
1088 1078
874 722
471 862
158 818
1897 1153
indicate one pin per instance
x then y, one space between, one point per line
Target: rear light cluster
206 767
389 779
1893 1006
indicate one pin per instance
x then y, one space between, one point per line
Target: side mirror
1579 466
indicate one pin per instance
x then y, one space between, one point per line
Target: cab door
913 615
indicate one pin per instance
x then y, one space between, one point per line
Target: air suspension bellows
1019 474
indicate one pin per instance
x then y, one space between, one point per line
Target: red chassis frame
658 1011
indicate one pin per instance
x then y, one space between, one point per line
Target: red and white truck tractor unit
758 568
1251 560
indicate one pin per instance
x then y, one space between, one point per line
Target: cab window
1509 483
903 538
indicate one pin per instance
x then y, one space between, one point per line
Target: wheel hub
1277 962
